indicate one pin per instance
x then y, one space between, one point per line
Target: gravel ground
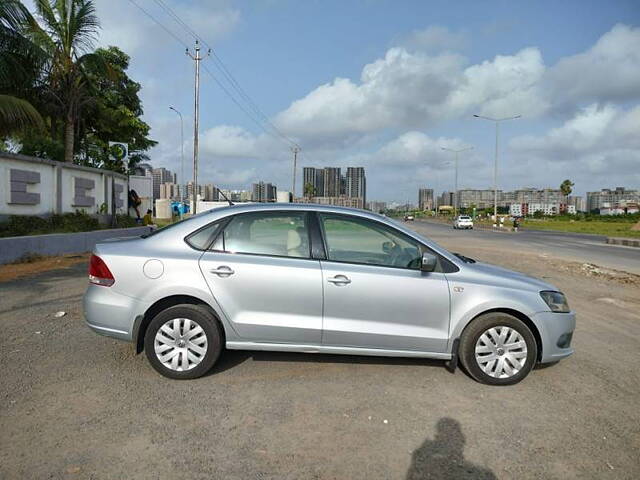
77 405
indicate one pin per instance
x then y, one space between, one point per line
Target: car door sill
306 348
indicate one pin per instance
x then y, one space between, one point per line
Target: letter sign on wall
19 180
81 187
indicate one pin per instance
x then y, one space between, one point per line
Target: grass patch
20 225
608 228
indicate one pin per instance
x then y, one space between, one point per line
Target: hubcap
501 352
180 344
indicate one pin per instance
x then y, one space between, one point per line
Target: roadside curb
628 242
14 248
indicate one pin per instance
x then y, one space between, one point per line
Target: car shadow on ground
232 358
443 457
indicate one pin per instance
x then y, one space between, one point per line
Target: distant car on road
409 218
318 279
463 221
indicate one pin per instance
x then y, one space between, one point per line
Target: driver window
356 240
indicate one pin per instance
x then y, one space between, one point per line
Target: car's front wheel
498 349
183 341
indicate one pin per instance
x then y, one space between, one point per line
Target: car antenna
225 197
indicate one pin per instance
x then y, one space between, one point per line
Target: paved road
568 246
77 405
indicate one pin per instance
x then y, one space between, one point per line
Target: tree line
60 98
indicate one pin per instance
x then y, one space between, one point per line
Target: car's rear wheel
183 341
498 349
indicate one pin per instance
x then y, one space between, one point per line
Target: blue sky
385 84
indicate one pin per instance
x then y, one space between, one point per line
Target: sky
386 84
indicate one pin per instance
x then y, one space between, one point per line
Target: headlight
557 301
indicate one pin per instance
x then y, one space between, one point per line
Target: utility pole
455 203
495 164
196 117
295 149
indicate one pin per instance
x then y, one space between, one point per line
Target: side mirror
429 262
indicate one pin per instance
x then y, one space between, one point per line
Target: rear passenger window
279 234
200 239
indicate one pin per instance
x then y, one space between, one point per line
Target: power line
178 39
227 74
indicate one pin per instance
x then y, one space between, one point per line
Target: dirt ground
37 265
77 405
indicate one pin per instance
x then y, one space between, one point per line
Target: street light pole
495 165
295 149
182 186
455 206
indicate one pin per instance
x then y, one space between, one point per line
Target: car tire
191 335
501 357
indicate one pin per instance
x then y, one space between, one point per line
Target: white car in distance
463 221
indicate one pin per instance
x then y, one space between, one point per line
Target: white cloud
507 85
125 25
608 71
401 89
598 145
411 89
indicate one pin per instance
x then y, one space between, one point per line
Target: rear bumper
109 313
556 332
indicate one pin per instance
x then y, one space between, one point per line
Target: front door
375 295
261 274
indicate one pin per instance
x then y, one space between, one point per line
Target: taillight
99 273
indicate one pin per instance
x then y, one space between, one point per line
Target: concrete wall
12 248
143 186
37 186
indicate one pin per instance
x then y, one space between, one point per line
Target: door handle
339 280
222 271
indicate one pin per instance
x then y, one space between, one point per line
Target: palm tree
566 188
17 61
65 33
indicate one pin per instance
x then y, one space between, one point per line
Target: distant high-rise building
425 199
377 207
356 183
446 199
312 176
263 192
170 191
143 170
579 202
161 175
607 197
331 182
201 191
210 193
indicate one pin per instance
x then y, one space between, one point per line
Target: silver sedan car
316 279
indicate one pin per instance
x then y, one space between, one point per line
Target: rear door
375 295
261 273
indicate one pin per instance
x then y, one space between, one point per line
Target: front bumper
109 313
556 332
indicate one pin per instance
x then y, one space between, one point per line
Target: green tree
18 62
114 115
65 31
309 190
